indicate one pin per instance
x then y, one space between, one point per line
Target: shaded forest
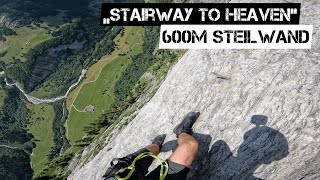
15 162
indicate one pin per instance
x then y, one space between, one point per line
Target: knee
192 146
153 148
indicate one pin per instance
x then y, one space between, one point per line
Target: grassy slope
93 72
100 93
41 128
42 115
26 39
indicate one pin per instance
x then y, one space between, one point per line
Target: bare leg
153 148
186 151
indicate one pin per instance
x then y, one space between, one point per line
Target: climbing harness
164 167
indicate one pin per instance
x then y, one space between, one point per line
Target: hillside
65 79
259 113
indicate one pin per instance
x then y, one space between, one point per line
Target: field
41 128
26 39
98 86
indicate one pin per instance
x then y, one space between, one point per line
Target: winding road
35 100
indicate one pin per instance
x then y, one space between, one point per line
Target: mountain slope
259 113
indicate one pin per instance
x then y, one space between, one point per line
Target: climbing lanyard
163 164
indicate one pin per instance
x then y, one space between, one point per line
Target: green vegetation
2 96
60 141
130 85
55 20
46 125
58 82
100 93
58 167
46 121
54 41
35 74
125 85
14 117
34 10
139 66
164 60
14 164
41 128
26 38
4 31
41 57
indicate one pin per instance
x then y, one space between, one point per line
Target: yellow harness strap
163 164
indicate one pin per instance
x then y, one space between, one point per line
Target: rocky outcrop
9 22
46 64
259 109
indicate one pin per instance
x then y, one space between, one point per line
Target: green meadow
18 45
100 92
29 36
41 128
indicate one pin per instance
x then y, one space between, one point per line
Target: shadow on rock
261 145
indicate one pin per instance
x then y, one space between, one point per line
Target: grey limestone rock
259 119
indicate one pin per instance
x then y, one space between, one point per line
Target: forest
4 31
65 62
13 122
26 12
59 138
126 83
139 66
34 74
14 115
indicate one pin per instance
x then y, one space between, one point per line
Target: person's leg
181 159
153 148
156 144
186 150
187 145
141 165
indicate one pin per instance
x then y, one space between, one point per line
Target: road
35 100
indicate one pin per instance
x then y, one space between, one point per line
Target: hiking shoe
186 125
159 140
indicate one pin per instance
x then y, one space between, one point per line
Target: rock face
259 109
47 64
